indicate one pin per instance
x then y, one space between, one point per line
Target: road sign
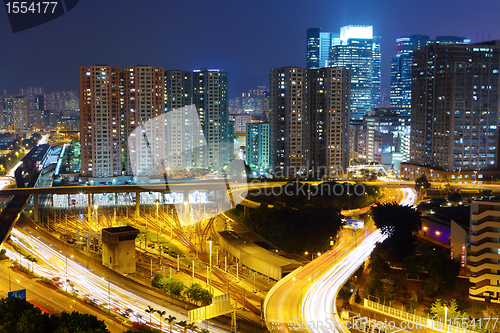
220 305
18 294
354 223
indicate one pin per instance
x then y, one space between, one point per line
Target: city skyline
234 43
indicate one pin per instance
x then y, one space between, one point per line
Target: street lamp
445 316
312 265
67 273
157 219
96 215
109 295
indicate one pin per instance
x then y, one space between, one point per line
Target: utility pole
208 284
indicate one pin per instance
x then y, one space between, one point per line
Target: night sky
245 38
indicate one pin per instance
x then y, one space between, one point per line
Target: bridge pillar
137 204
69 203
52 200
186 196
88 205
35 207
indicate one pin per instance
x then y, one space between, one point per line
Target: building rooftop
37 153
117 230
254 250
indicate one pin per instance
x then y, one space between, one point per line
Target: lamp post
210 272
445 316
312 265
10 288
109 295
96 215
294 278
67 273
157 219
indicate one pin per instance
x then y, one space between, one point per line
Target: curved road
304 300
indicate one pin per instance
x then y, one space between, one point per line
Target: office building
318 47
240 122
359 51
401 66
483 259
144 100
383 138
257 147
454 118
37 119
178 89
31 94
211 101
40 102
309 121
101 154
184 136
20 112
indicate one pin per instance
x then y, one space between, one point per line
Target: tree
161 313
11 313
443 273
170 320
400 224
414 301
171 285
150 310
197 294
452 311
422 183
183 324
19 316
191 326
455 198
156 280
76 322
33 320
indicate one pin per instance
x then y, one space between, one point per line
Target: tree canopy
401 224
20 316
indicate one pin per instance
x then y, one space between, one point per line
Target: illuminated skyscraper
211 101
257 146
401 66
178 89
183 133
144 99
101 154
359 51
20 112
309 120
455 117
318 47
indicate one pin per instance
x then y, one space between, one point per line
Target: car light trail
319 307
86 283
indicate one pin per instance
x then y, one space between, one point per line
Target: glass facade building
359 51
401 66
455 117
